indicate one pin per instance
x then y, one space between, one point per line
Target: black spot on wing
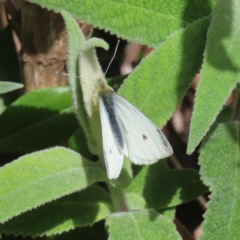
144 137
110 150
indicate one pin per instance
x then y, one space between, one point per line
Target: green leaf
173 187
90 72
41 177
141 175
76 44
220 71
135 201
220 160
139 21
91 44
78 143
76 210
160 81
37 120
133 193
163 188
95 232
9 86
168 212
226 115
145 224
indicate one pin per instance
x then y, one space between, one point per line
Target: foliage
51 190
9 86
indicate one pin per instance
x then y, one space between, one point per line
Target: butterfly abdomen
108 103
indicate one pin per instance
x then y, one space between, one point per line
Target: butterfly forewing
145 141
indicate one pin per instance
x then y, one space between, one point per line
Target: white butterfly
125 130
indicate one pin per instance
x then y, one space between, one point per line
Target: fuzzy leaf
163 188
37 120
172 188
78 143
76 210
41 177
75 43
168 212
95 232
160 81
139 21
220 160
75 62
145 224
220 71
9 86
90 72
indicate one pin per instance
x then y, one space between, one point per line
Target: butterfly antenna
113 56
65 74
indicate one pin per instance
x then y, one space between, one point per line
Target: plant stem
118 199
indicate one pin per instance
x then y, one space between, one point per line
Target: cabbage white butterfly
125 130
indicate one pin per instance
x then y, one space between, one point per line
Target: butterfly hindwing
113 154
